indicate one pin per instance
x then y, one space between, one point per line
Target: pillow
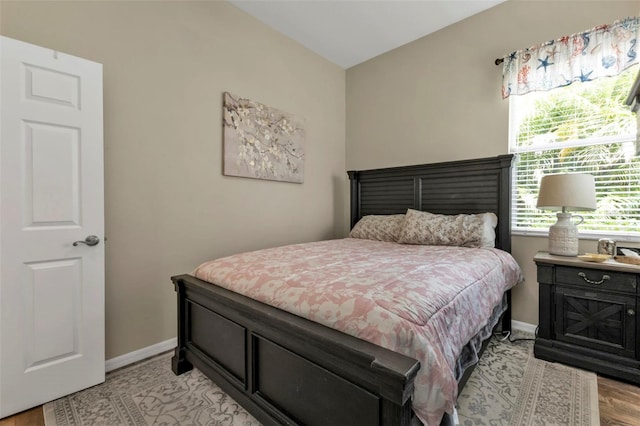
464 230
378 227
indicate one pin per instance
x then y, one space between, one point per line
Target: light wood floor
33 417
619 406
619 403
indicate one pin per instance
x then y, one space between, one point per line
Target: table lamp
566 192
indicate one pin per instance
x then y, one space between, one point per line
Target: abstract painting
262 142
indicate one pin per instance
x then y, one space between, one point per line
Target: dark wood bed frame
287 370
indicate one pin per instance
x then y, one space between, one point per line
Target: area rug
148 393
509 387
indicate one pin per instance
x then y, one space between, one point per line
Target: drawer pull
631 312
584 277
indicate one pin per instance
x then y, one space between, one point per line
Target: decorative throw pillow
464 230
378 227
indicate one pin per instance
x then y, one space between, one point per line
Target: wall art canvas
262 142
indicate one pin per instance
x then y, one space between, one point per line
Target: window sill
583 235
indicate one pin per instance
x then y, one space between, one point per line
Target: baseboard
139 355
158 348
523 326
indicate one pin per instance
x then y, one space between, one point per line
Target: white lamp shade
567 192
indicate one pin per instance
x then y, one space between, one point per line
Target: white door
51 195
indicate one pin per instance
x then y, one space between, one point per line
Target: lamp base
563 236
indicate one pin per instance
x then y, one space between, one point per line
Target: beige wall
166 64
438 98
168 207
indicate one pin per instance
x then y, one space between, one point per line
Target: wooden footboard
285 369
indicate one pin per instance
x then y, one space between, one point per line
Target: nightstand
588 315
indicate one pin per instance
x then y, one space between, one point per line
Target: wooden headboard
467 186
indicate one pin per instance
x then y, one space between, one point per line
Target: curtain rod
498 61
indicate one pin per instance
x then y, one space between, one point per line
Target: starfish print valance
604 51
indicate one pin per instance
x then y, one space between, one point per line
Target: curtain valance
604 51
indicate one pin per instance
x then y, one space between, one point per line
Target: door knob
91 240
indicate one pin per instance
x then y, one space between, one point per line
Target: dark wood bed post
179 363
355 197
504 214
504 209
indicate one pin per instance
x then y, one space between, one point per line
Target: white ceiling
348 32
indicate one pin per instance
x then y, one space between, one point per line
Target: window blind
581 128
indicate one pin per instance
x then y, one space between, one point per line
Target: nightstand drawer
596 279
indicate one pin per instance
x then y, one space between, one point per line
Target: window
582 128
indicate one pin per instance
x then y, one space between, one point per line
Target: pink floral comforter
422 301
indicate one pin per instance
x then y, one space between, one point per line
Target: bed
285 369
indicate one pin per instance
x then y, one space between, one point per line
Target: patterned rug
509 387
